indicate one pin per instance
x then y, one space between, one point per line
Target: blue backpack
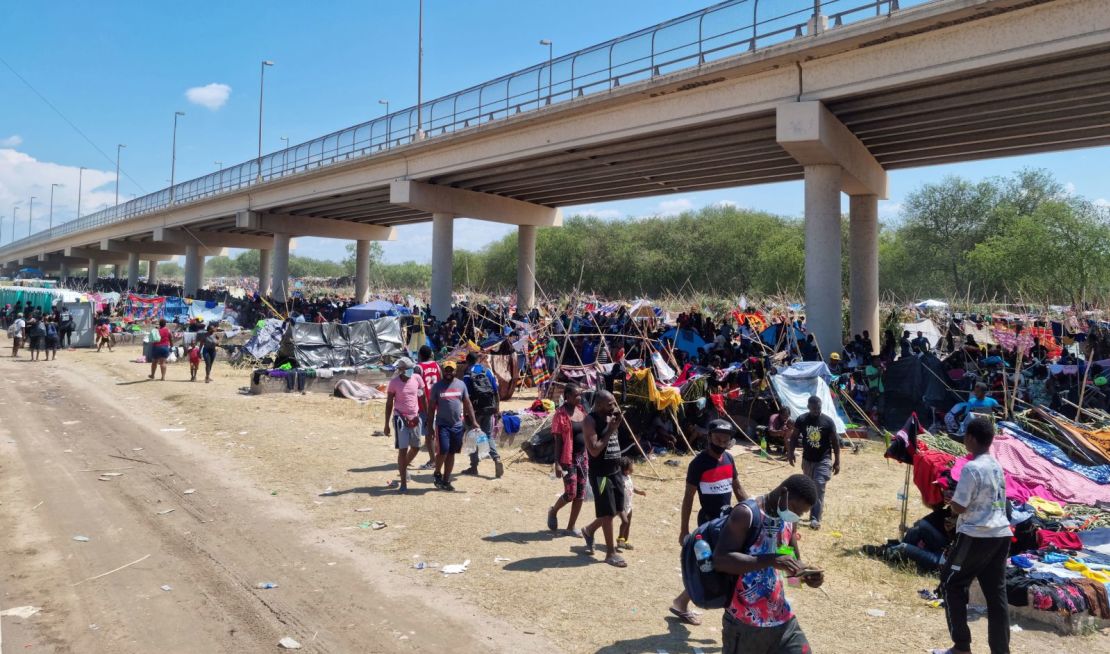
713 590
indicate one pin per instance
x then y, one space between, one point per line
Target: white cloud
212 96
889 209
1102 202
603 214
13 141
22 176
673 207
1069 188
725 204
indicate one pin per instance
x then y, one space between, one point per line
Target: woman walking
571 463
161 350
209 341
52 338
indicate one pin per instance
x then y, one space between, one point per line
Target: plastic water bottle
483 447
763 447
703 553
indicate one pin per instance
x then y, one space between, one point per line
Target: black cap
722 426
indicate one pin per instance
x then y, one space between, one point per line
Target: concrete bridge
722 97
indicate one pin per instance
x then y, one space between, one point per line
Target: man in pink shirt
405 406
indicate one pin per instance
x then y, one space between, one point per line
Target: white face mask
785 514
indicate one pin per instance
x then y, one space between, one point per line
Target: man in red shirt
431 373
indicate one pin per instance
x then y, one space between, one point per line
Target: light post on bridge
550 67
173 153
118 148
80 175
30 214
284 152
261 94
52 187
15 208
420 74
219 165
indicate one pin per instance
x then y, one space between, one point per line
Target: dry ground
314 456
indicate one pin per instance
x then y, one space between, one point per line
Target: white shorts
404 436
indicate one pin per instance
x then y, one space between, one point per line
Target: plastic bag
470 441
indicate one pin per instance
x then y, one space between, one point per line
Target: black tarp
330 345
914 384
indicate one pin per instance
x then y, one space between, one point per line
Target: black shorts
608 495
38 342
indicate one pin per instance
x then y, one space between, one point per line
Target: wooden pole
1083 385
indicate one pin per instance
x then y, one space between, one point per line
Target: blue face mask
700 402
786 515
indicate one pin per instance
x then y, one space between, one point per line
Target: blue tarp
771 337
175 308
686 340
373 310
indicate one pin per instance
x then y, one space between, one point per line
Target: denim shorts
450 438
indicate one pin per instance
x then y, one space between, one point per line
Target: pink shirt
406 395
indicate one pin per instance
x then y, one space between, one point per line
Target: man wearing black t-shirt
820 452
712 476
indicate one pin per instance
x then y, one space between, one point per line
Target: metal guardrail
723 30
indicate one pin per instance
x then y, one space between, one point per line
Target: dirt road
200 554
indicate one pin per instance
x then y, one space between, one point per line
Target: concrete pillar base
264 273
194 267
151 272
863 263
132 270
822 266
443 245
526 268
362 271
94 271
63 272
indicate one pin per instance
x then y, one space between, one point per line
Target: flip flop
552 520
589 538
616 561
689 617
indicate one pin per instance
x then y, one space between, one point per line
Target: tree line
1016 238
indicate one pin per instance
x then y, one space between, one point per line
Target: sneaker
437 480
447 486
814 524
499 469
472 471
431 465
403 489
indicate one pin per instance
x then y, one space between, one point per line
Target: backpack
713 590
482 395
51 329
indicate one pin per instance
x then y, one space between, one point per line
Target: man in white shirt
981 547
17 331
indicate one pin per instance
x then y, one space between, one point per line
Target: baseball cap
448 364
721 425
835 356
404 363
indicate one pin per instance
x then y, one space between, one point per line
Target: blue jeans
485 423
820 472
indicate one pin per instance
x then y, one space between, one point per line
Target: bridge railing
722 30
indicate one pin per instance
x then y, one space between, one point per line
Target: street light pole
386 103
118 148
420 74
173 153
219 165
261 93
30 215
52 187
80 175
550 68
15 208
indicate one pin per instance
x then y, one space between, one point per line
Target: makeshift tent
774 333
373 310
328 345
209 312
794 386
931 304
687 340
145 307
914 384
927 328
643 309
266 339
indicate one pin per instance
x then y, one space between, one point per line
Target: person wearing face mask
713 478
405 405
758 619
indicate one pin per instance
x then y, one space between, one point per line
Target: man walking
405 406
981 547
431 373
820 453
449 406
16 333
600 432
481 386
713 478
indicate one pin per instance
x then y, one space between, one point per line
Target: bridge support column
264 272
94 271
525 268
443 272
822 267
362 271
863 264
280 263
132 270
194 269
63 272
152 272
115 271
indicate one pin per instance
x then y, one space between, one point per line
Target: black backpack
482 396
713 590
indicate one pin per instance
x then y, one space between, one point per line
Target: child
626 515
194 361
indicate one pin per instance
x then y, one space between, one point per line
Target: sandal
589 538
552 520
689 617
616 561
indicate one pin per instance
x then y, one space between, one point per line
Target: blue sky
119 70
